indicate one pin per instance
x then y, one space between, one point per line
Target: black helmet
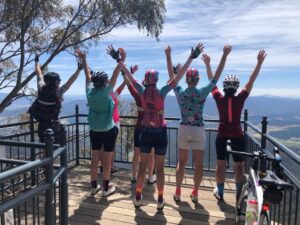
99 78
51 77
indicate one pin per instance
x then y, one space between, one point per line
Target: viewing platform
49 184
119 209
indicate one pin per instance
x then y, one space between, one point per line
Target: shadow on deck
119 208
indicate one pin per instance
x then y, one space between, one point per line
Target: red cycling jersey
138 103
230 109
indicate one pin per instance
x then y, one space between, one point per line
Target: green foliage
49 27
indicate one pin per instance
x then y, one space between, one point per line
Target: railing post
264 124
77 134
64 217
49 204
245 120
32 150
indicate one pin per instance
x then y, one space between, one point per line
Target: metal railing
32 192
79 148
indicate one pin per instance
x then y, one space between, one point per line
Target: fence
78 150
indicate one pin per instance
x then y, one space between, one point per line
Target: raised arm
74 76
260 59
206 60
169 62
116 55
226 51
121 53
133 69
82 56
194 54
37 66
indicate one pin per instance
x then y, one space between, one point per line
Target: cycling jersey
153 104
101 107
191 102
230 109
139 106
115 96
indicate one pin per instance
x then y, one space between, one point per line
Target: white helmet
231 81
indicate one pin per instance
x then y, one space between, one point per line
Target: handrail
24 168
295 157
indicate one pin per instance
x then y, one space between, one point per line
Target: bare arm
37 66
82 56
226 51
169 62
72 79
206 60
114 77
188 62
260 59
121 87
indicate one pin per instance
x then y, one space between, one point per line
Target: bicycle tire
241 204
264 219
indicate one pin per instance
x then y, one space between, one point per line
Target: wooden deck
119 209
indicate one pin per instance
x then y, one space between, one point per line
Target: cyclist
137 132
191 131
103 131
46 107
230 107
154 132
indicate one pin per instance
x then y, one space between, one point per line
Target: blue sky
247 25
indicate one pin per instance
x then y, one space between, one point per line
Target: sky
247 25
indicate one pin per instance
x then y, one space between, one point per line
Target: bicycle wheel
264 219
241 203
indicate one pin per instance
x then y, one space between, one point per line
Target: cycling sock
195 192
105 185
160 192
178 191
220 187
94 184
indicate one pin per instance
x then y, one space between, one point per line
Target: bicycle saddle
271 180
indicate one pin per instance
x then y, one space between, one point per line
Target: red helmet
151 77
192 76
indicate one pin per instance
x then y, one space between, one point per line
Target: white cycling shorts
191 137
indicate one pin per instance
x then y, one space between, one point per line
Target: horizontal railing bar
24 168
23 197
13 161
59 173
58 152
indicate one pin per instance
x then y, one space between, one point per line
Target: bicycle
261 187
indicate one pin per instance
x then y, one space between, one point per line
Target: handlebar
256 154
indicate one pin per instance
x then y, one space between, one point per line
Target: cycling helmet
151 77
99 79
231 81
192 76
51 77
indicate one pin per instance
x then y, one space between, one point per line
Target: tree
48 27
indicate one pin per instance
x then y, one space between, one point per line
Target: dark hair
99 79
229 92
51 78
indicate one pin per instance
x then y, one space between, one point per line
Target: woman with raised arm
103 131
137 132
154 131
191 132
46 107
230 108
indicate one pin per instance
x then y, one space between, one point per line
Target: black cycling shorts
137 136
156 138
107 139
237 144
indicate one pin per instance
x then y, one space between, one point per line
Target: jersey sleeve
243 95
208 88
167 88
140 89
216 93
